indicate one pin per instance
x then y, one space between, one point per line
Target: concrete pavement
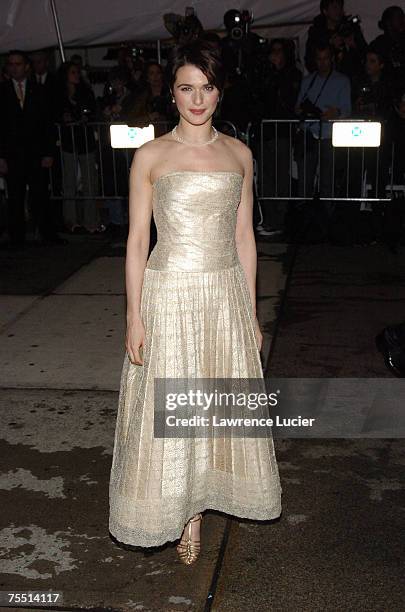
61 354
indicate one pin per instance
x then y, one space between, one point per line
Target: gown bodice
195 215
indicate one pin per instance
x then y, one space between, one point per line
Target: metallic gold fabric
198 320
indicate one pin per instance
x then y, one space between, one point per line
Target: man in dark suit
41 75
27 145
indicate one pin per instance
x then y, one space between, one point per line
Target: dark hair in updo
202 54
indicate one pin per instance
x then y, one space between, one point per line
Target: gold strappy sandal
189 550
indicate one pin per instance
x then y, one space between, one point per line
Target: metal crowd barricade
293 165
86 166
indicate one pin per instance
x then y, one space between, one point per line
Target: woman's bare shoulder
235 144
157 144
238 150
151 152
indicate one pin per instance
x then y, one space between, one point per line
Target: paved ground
338 544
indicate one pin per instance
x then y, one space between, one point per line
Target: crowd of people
346 78
53 127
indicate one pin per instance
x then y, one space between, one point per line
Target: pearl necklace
195 144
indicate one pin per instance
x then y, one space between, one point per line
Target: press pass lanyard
322 88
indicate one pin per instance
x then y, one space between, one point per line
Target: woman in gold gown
191 313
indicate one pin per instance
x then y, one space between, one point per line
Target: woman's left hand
258 334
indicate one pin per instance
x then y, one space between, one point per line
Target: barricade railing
294 163
290 164
86 166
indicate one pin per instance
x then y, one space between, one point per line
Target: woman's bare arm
244 236
140 214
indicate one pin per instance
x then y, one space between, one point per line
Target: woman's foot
189 547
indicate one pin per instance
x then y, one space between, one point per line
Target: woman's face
277 57
397 22
192 91
154 75
373 65
73 75
334 12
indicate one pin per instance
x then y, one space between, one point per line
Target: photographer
76 106
394 215
373 100
279 97
153 101
373 93
245 59
344 35
240 47
324 95
115 106
391 44
396 135
118 99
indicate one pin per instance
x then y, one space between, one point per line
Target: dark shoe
392 348
266 230
99 230
80 231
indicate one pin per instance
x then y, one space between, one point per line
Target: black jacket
77 136
376 98
349 61
27 131
279 97
50 89
393 52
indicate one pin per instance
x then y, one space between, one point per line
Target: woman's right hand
135 339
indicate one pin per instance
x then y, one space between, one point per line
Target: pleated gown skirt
197 324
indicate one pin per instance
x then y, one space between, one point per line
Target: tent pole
159 56
57 28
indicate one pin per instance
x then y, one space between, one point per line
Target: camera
366 94
310 110
348 26
238 23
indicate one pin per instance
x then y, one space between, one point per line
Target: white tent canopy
29 24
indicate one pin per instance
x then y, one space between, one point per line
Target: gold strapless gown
198 318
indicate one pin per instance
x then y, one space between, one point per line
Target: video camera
238 23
